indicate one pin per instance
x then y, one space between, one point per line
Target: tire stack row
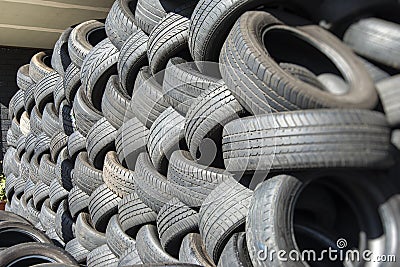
127 148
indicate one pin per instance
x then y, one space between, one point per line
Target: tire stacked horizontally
108 150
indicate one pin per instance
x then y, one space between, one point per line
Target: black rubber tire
165 136
29 98
44 90
47 216
120 22
86 177
149 247
76 144
147 100
40 194
389 95
183 83
151 186
83 38
58 93
24 81
58 141
115 102
56 193
7 216
18 105
192 251
38 253
85 114
78 201
354 138
97 68
60 59
100 140
235 253
72 82
117 240
89 237
167 39
132 57
36 121
40 66
174 221
133 214
191 182
103 204
14 233
64 224
149 13
101 257
77 251
365 37
223 213
47 169
130 142
278 90
64 170
66 118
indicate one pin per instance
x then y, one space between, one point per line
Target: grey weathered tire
29 98
191 182
30 142
192 251
389 95
174 221
9 187
44 90
132 57
364 140
261 92
60 59
82 39
18 104
24 122
376 73
149 247
222 213
21 146
120 22
47 216
42 145
34 169
89 237
165 136
56 193
235 252
86 176
78 201
64 224
366 38
57 142
77 251
129 257
24 81
40 194
76 144
71 82
58 93
11 140
117 240
40 66
101 257
47 169
103 204
32 214
36 121
167 39
100 140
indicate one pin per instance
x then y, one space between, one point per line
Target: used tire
44 90
40 66
24 81
389 95
86 177
47 169
77 251
235 252
78 201
117 240
64 224
60 59
101 257
76 144
192 251
56 193
89 237
71 82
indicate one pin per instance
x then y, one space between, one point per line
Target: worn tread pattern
86 176
78 201
89 237
44 90
117 240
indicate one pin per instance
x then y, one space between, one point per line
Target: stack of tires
211 132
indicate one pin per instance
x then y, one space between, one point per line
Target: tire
103 204
114 103
333 83
34 169
147 100
29 98
64 224
42 145
30 142
44 90
29 189
32 214
60 59
130 142
16 130
389 96
89 237
34 252
120 22
365 37
83 38
77 251
66 118
100 140
78 201
64 169
87 177
101 257
47 216
151 186
174 221
21 146
40 66
47 169
130 257
24 81
149 247
117 178
191 182
7 216
297 151
192 251
56 193
58 141
97 68
85 114
25 123
376 73
76 144
253 90
183 83
132 57
165 136
40 194
149 13
302 74
9 186
395 139
235 252
72 82
18 105
36 121
133 214
167 39
223 213
13 233
117 240
205 120
58 93
11 140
